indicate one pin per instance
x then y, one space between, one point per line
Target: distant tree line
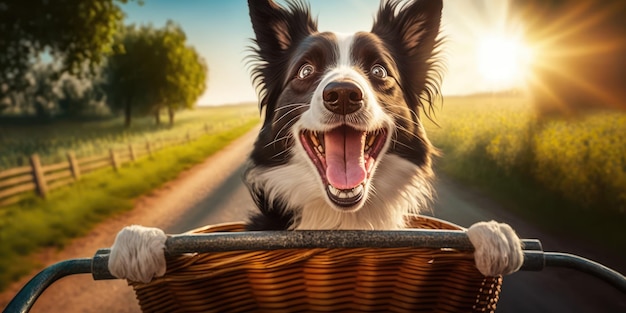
47 94
75 57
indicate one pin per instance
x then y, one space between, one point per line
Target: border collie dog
342 145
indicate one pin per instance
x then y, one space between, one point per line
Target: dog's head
342 124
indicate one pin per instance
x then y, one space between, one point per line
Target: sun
503 62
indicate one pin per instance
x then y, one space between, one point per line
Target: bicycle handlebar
535 259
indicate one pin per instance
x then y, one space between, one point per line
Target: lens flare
503 61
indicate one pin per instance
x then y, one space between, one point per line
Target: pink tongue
344 157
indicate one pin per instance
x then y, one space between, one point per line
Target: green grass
566 175
72 211
53 139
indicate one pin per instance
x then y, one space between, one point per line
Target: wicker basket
323 280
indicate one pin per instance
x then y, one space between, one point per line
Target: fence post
73 165
188 137
40 180
131 151
114 163
149 148
206 128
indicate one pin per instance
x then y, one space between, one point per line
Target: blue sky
221 31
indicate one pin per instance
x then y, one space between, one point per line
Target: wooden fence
15 182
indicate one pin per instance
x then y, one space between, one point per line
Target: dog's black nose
343 97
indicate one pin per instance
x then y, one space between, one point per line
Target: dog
342 144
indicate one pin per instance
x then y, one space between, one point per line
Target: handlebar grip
273 240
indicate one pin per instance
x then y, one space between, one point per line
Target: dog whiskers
406 130
404 145
280 153
296 107
410 121
292 105
277 138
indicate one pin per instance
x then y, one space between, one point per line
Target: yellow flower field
582 159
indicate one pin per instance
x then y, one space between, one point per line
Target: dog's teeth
316 142
358 189
334 190
338 193
369 143
345 194
314 139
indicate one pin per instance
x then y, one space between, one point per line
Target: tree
152 69
77 96
185 72
129 71
46 95
40 95
188 86
75 32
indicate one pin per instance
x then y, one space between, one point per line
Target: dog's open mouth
344 158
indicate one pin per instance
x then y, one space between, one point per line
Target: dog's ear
277 29
410 31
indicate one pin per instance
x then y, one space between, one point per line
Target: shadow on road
551 290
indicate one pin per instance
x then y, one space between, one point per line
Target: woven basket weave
323 280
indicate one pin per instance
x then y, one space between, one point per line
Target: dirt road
212 192
207 193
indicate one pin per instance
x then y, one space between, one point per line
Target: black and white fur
321 91
401 44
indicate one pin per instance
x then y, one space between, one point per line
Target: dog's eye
378 71
305 71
